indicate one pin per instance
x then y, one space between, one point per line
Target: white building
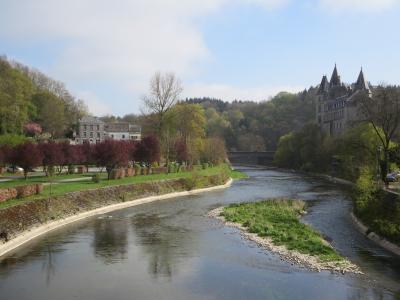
92 130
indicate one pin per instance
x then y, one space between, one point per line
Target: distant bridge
265 158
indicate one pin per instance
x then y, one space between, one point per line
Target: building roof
335 79
91 120
361 83
324 86
122 127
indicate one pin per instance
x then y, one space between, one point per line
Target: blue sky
106 51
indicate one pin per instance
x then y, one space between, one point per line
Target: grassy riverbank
61 188
279 220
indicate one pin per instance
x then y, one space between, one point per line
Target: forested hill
257 126
29 96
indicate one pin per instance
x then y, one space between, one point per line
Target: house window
98 134
85 127
91 134
98 127
123 136
84 134
91 127
112 136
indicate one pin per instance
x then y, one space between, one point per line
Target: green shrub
204 166
192 181
96 178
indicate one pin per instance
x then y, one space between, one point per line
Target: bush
96 178
204 166
192 181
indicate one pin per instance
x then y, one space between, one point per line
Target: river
171 250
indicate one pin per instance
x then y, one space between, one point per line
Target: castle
336 108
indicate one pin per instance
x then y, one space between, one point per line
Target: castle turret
324 86
335 79
361 84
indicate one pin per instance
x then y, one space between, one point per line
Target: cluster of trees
372 143
55 157
310 149
180 126
252 126
32 103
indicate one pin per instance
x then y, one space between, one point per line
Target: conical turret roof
324 86
361 83
335 79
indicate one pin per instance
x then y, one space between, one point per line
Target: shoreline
309 262
35 232
382 242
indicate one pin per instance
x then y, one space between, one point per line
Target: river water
171 250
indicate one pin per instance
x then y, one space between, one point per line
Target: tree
111 154
52 156
214 151
148 150
86 154
15 94
50 113
164 93
27 156
382 111
181 151
32 129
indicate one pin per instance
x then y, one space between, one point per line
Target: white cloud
228 92
117 43
358 5
268 4
95 105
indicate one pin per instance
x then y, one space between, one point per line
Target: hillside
29 96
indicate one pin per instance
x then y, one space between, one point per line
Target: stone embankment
290 256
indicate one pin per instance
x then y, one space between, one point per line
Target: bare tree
382 111
164 93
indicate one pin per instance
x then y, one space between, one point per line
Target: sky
107 51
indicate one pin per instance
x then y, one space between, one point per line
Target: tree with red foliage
2 157
70 155
132 146
52 156
181 151
27 156
87 154
148 150
111 154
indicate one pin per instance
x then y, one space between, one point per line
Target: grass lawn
279 220
42 179
65 187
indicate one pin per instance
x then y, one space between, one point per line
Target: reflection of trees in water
110 239
162 243
48 265
46 254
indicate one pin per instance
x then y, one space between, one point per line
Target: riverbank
384 243
22 223
274 225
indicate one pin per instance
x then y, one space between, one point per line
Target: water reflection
163 244
110 240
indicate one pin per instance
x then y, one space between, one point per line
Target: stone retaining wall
19 218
